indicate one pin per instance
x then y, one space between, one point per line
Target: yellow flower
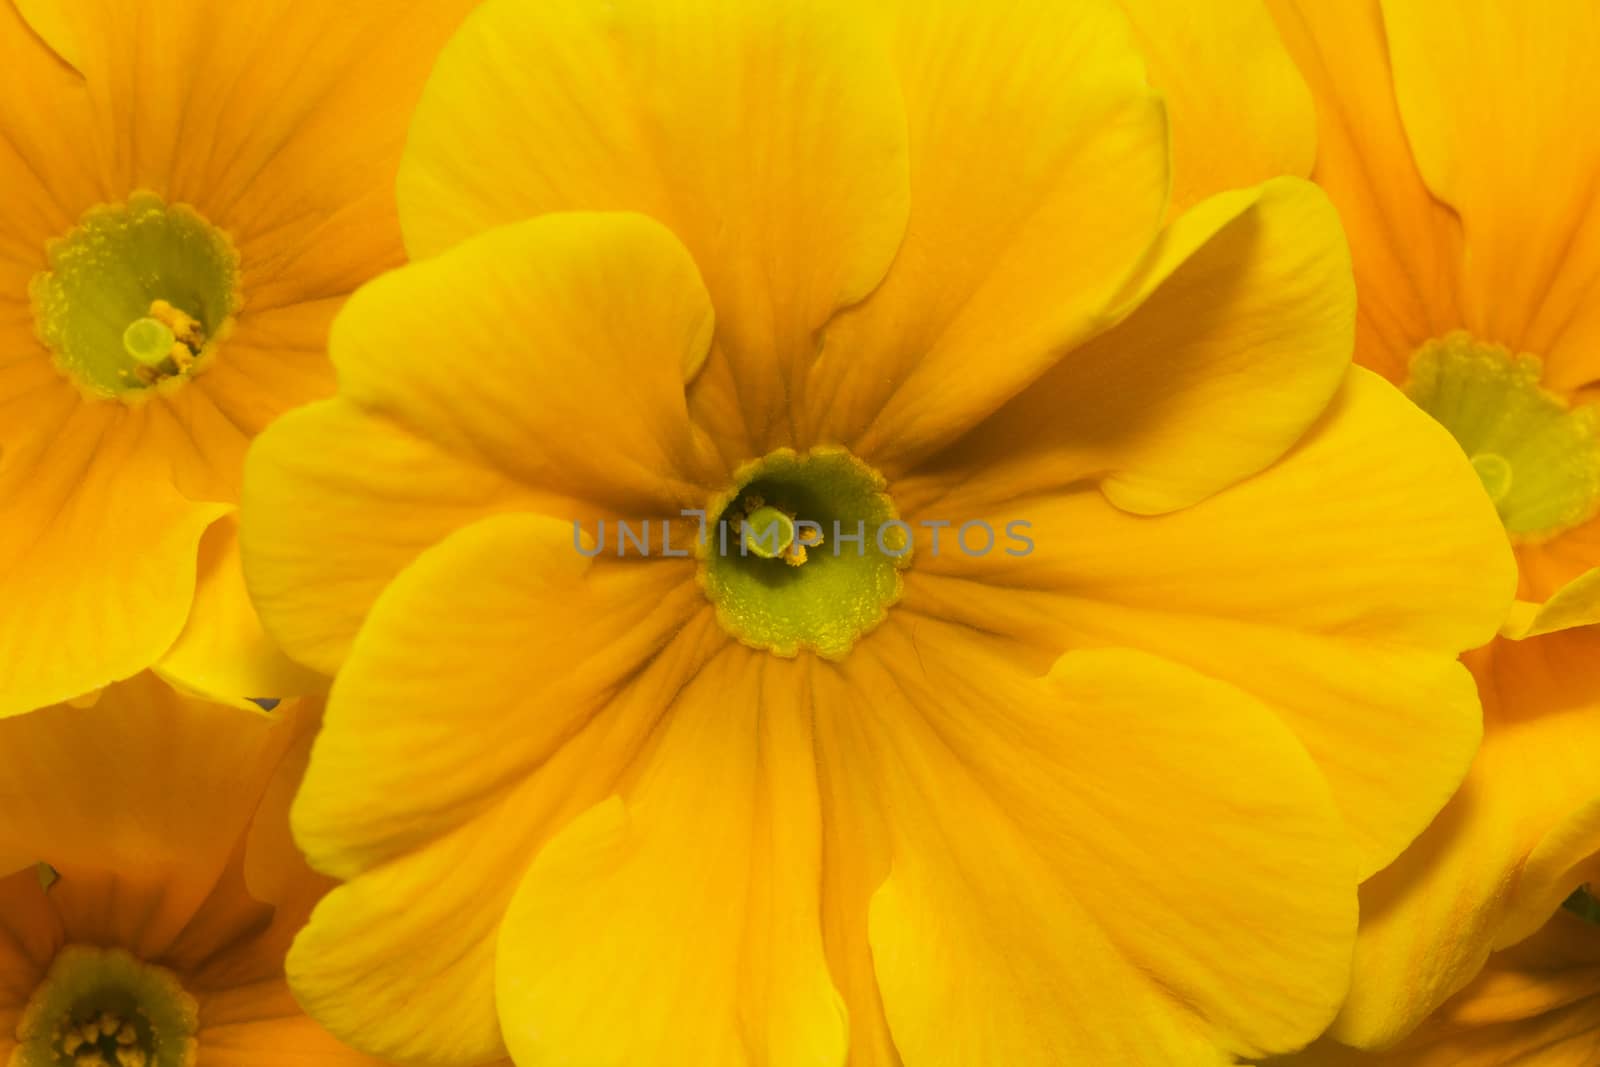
156 888
190 190
1536 1003
1450 145
1101 800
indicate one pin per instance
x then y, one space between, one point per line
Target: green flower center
101 1007
136 296
1537 455
804 552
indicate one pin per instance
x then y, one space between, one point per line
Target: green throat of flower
804 552
137 296
101 1007
1537 456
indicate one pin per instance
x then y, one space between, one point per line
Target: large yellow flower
1535 1004
156 888
190 189
1451 146
926 801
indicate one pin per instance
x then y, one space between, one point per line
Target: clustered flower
740 533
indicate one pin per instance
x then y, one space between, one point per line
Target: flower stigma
1537 454
805 553
136 296
99 1007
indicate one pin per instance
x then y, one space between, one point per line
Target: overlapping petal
443 421
1240 113
1070 885
438 775
1328 586
685 915
1237 339
1020 116
778 157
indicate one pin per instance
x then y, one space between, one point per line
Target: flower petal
769 137
610 320
687 916
1238 339
260 1025
106 796
1486 97
1240 112
1501 856
1406 245
494 693
1078 880
97 551
1039 171
477 663
1575 604
1533 1004
222 652
1329 586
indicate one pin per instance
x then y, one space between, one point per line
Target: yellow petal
97 551
1533 1004
336 503
1239 110
686 918
1039 177
222 652
1327 586
769 137
524 639
1065 892
1406 245
340 496
555 350
495 693
1238 338
1486 95
1575 604
1501 856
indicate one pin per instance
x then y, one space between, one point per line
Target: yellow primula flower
1450 145
1535 1004
155 886
1098 790
190 190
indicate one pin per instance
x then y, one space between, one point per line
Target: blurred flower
156 888
1104 799
191 188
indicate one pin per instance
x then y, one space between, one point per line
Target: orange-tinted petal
1406 245
1240 112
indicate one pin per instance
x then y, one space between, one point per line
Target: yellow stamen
184 327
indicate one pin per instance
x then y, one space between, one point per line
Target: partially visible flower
1536 1004
1467 179
155 887
1100 797
190 190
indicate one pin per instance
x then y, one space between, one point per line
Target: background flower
1450 143
259 142
163 822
